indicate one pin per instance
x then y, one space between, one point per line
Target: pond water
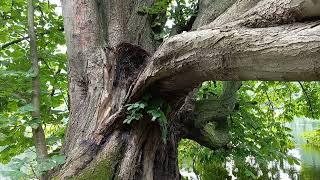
309 168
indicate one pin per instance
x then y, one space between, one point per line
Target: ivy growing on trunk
156 108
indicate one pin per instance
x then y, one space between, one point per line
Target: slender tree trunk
113 61
38 132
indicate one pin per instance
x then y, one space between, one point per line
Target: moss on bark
104 168
101 171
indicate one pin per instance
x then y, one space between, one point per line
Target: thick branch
287 53
206 121
266 13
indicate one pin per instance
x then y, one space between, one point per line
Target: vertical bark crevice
166 161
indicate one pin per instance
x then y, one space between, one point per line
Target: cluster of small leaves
25 166
16 76
182 10
135 111
259 135
156 108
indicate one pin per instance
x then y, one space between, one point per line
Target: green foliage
156 108
16 75
202 161
179 12
25 166
258 131
209 89
157 14
158 7
313 138
135 111
182 10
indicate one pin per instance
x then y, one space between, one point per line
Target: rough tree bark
113 60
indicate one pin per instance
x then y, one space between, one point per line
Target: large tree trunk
113 60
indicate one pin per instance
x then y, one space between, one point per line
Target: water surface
309 168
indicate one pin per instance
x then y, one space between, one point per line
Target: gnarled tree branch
286 53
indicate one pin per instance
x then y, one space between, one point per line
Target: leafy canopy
15 83
259 134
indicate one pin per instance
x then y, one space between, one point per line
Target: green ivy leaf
155 113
